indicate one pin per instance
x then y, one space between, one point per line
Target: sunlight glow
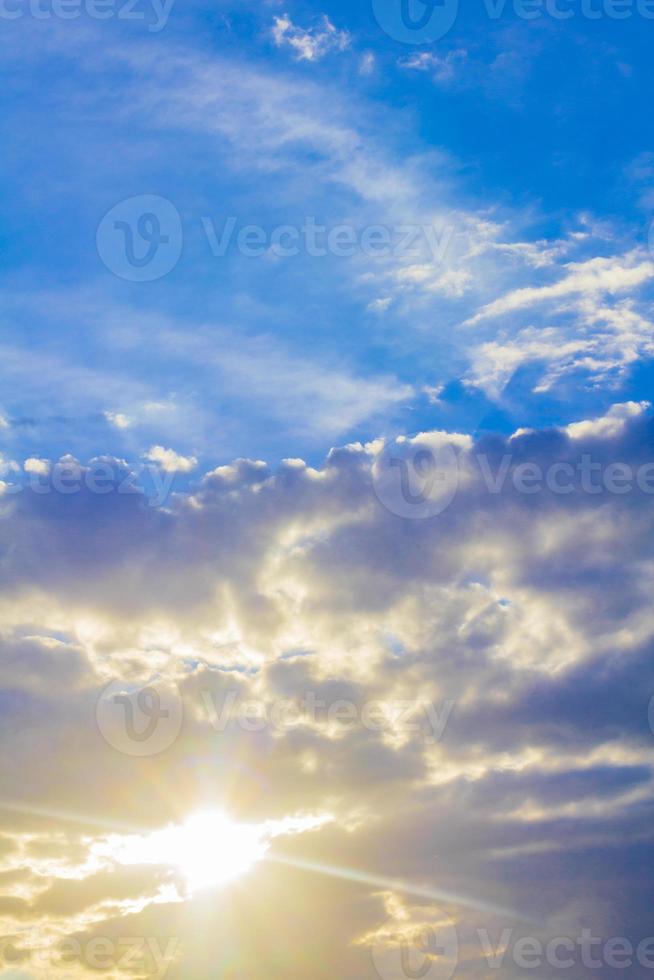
209 849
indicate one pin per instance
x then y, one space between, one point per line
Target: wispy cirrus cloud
593 278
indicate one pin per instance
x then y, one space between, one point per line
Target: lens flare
209 849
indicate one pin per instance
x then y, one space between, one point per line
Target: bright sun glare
209 849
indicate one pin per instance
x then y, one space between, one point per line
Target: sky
326 488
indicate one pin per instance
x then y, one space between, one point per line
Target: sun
209 849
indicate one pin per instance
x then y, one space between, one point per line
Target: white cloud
170 461
611 425
310 44
37 466
591 278
433 393
443 70
602 341
454 282
367 64
380 305
118 420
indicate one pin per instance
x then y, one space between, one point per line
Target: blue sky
520 142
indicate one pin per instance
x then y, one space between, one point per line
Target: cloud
443 69
526 608
118 420
530 613
611 425
603 342
310 44
170 461
341 145
594 277
380 305
367 64
41 467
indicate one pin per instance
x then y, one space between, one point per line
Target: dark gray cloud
530 614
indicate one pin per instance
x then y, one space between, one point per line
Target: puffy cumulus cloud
170 461
611 424
41 467
453 709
